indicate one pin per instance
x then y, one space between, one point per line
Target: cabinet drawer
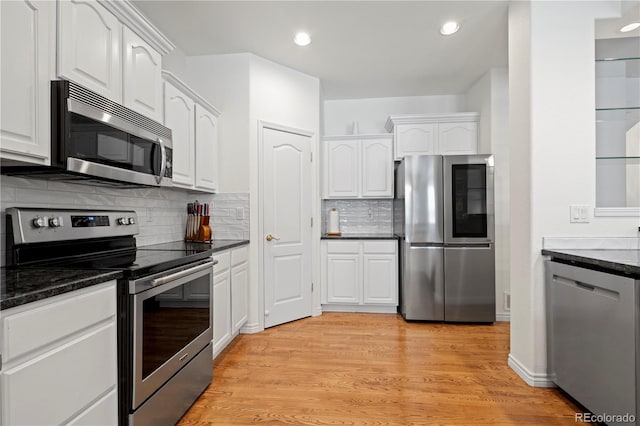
52 387
389 246
224 261
47 323
239 255
103 412
343 246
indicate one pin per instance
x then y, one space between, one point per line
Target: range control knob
122 221
39 222
55 222
132 221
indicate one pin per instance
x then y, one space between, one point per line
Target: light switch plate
239 213
579 213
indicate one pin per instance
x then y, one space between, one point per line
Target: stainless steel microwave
96 139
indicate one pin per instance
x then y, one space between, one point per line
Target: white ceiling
359 48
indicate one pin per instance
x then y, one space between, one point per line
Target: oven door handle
181 274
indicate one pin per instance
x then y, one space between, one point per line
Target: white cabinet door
221 311
89 46
458 138
415 139
27 31
206 152
380 278
342 165
344 279
239 296
377 168
179 116
142 76
51 349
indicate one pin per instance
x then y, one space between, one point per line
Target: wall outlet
506 301
149 215
579 213
239 213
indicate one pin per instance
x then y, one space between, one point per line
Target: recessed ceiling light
449 28
632 26
302 39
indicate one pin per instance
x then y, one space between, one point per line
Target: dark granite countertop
360 237
188 246
616 261
23 285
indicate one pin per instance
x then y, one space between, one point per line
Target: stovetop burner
90 239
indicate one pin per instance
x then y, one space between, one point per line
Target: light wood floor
373 369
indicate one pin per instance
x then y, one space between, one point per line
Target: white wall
490 97
286 97
223 80
371 114
176 63
552 142
248 89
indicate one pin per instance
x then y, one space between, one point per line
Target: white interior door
286 200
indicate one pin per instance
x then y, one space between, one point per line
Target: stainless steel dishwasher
592 337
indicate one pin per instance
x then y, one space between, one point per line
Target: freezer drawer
422 283
592 337
470 291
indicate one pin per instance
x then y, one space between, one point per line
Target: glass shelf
617 90
617 59
620 158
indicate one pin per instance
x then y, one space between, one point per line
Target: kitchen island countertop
625 262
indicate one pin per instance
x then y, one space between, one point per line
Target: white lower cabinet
59 360
230 296
360 275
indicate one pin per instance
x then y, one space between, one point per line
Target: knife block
198 229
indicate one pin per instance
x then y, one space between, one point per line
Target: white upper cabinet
179 116
377 168
434 134
111 49
27 34
194 125
416 139
142 76
89 47
206 149
458 138
358 167
342 160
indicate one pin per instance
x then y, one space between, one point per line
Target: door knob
270 237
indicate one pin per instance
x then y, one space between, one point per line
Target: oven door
171 325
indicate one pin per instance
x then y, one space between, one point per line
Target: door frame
315 308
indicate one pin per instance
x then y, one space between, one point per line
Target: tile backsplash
161 211
360 216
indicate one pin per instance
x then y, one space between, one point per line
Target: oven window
172 319
100 143
469 196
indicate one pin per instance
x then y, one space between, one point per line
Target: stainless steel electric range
164 301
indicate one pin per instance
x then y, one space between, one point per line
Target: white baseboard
251 328
317 311
361 309
537 380
503 316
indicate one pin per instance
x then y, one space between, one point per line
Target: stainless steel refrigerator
444 212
